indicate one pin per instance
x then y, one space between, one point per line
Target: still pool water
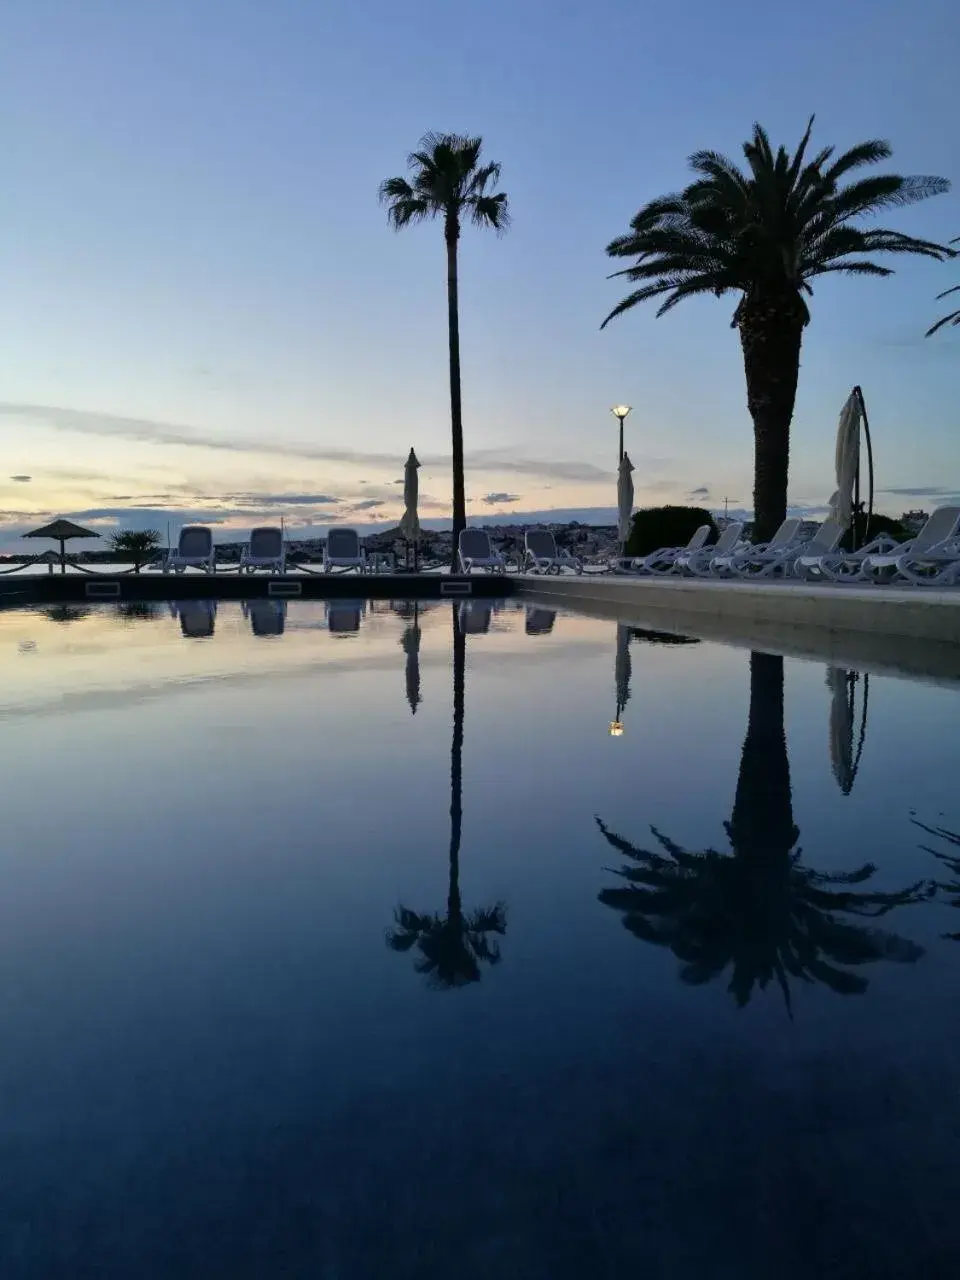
346 943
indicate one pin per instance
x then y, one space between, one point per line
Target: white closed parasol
624 498
847 460
410 521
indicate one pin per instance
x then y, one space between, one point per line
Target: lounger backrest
343 544
475 544
539 622
729 538
542 544
475 618
699 538
786 534
940 526
196 541
343 616
266 542
825 539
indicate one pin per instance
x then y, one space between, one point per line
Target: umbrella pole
63 555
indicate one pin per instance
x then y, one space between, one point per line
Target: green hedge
878 524
656 527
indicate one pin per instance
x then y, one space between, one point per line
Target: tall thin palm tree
452 947
448 181
765 234
759 912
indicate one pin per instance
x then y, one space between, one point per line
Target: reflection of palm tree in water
759 911
950 860
453 946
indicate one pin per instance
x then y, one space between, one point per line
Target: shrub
656 527
878 524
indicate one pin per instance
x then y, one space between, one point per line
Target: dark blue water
350 943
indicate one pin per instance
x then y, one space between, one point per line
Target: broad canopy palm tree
452 946
952 317
448 181
766 233
759 912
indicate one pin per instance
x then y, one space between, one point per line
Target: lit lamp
620 411
616 728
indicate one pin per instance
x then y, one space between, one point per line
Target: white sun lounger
542 555
785 541
475 551
265 550
931 558
344 550
697 562
194 550
664 558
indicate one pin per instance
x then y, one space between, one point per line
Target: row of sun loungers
930 558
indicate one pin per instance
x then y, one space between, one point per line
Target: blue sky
202 308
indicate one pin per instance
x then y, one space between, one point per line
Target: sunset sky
203 314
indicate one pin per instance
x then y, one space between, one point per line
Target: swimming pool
414 940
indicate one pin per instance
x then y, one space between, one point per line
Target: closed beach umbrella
844 763
624 497
62 531
622 670
847 460
410 522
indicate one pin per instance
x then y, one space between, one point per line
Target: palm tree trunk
456 766
456 418
771 330
762 821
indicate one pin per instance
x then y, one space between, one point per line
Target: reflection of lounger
343 616
540 621
267 617
475 617
197 618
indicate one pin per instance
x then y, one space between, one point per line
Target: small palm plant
765 234
138 545
447 181
453 946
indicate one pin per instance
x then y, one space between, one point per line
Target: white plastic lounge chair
784 541
265 550
475 551
697 562
344 551
664 558
194 550
928 559
542 555
842 566
752 563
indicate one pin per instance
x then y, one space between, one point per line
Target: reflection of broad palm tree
452 947
759 911
950 860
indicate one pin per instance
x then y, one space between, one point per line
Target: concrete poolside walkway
897 630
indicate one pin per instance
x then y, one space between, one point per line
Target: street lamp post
620 411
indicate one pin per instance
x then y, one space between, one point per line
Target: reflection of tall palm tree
453 946
950 860
759 911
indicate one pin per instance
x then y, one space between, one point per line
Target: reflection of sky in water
211 1063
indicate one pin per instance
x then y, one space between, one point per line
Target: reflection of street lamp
616 728
620 411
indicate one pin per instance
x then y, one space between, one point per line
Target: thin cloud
368 504
499 499
922 491
147 431
22 479
702 492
